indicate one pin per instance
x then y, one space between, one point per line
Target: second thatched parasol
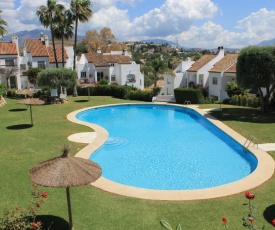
88 86
30 102
65 171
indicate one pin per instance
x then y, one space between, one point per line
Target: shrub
2 90
186 94
140 95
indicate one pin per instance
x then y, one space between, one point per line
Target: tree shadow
269 213
81 100
22 126
244 115
18 110
53 222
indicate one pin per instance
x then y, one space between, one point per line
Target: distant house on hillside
220 74
9 63
116 68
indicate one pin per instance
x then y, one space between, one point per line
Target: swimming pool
165 147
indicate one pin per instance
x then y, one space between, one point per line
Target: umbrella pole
69 207
31 114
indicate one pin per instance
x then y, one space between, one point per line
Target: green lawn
22 147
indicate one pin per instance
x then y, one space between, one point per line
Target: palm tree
82 12
46 15
63 28
3 23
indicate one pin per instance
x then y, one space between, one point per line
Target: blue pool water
166 148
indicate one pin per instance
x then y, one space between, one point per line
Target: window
99 76
23 66
41 64
113 78
112 64
168 82
214 80
9 62
83 74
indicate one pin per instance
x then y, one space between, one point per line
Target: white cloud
173 19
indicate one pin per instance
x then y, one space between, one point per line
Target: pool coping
261 174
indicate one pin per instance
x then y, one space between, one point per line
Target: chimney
42 37
46 40
15 40
98 51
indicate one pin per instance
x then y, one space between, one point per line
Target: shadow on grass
269 213
250 115
81 100
18 110
22 126
53 222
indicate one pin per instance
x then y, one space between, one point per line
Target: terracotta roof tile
226 62
8 48
104 60
232 69
201 62
39 49
58 49
36 48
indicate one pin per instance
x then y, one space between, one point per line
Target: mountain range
28 34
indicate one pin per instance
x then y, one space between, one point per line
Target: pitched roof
225 63
232 69
8 48
201 62
104 60
38 49
58 49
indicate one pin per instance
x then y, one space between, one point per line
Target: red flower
34 225
250 219
249 195
273 222
44 194
33 210
224 220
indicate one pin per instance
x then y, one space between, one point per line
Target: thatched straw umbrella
65 171
25 92
30 102
88 86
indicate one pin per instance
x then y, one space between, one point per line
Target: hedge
182 95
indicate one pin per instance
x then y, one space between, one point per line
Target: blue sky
195 23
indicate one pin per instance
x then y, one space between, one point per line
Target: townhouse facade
220 74
116 68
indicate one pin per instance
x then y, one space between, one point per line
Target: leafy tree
81 10
3 23
55 78
81 48
256 70
9 72
159 67
46 15
32 74
233 89
106 35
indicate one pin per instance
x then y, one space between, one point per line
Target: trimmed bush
140 95
195 96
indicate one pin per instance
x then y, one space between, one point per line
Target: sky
191 23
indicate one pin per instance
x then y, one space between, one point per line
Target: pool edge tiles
262 173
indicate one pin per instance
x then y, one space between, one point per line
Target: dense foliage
256 70
183 95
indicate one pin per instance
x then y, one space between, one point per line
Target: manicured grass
22 147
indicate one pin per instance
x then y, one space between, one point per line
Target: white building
116 68
220 74
10 63
177 81
198 73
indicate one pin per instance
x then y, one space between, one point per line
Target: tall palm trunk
75 40
54 50
62 43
